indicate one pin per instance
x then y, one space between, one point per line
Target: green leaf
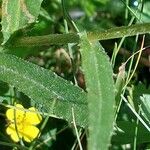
125 133
103 1
138 91
48 91
101 96
145 106
143 15
119 84
17 14
3 88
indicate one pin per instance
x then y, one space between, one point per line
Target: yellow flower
22 124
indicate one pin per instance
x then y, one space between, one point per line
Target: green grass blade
145 106
18 14
101 96
44 88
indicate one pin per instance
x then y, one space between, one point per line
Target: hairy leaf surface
48 91
101 97
17 14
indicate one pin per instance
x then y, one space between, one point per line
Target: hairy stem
59 39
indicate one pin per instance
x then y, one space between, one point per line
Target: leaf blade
44 87
17 14
101 97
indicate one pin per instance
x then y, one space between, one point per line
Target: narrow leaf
125 132
145 106
119 84
101 96
17 14
48 91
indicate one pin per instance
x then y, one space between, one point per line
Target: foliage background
82 64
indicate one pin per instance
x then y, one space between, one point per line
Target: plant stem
46 40
119 32
59 39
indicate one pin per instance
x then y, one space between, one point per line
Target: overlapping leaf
17 14
101 97
48 91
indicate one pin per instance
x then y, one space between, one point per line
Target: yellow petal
15 137
30 133
10 113
12 132
19 106
19 110
10 129
33 118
